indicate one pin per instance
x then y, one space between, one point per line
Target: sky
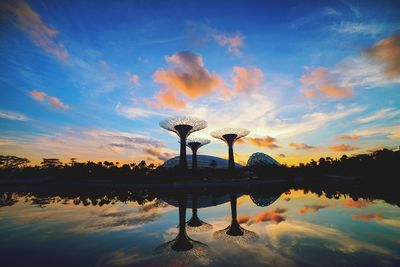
92 79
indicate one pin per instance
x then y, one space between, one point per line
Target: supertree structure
195 144
183 126
230 136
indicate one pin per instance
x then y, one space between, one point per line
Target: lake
279 228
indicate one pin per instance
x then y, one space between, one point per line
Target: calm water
282 229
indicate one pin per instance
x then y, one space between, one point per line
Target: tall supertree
183 126
195 144
230 136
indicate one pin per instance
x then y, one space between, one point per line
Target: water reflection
266 226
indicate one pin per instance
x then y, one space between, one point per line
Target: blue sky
92 79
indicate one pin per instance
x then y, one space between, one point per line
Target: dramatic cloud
347 137
266 141
321 82
9 115
28 21
343 148
387 51
247 80
169 99
55 101
361 203
301 146
311 208
232 42
186 76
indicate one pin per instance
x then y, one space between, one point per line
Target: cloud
233 42
187 77
321 82
391 131
367 217
361 203
38 95
134 112
9 115
386 113
387 51
347 137
55 101
311 208
247 80
266 141
135 79
163 156
343 148
275 216
167 98
351 27
301 146
282 155
30 22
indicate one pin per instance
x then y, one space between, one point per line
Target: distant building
261 159
203 161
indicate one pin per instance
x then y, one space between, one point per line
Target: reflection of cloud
275 216
311 208
30 22
379 218
361 203
332 238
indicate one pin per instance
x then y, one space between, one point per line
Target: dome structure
203 162
261 159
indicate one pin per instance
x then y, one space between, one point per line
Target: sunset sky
92 79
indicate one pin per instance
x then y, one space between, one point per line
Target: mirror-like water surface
293 228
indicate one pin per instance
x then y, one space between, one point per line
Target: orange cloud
350 203
41 96
243 219
347 137
368 217
388 52
233 42
266 141
312 208
324 83
187 75
168 98
301 146
343 148
38 95
247 80
57 102
275 216
28 21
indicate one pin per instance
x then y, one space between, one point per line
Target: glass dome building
203 161
261 159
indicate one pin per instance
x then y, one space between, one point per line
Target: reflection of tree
195 224
234 232
183 247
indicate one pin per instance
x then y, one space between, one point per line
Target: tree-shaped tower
183 126
230 136
195 144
